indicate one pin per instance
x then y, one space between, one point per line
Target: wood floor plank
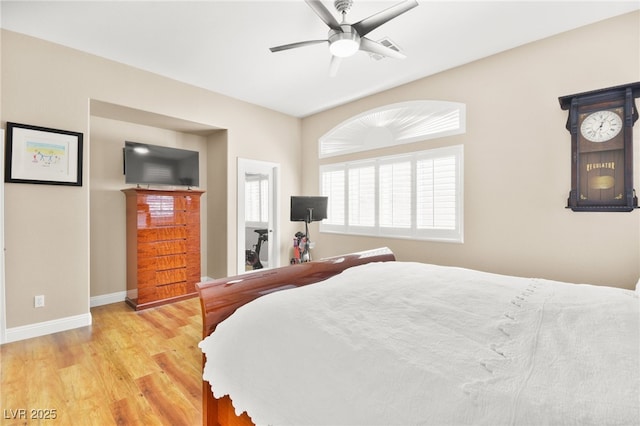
128 368
174 316
159 322
174 366
44 388
68 349
168 403
112 376
134 411
91 412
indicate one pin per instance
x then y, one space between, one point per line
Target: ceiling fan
346 39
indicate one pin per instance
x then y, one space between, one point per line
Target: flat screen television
308 208
160 165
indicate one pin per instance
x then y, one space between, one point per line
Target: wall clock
601 126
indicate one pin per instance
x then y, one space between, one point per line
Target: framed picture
42 155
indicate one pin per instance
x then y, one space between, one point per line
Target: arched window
415 195
394 124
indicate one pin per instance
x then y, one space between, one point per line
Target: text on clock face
601 126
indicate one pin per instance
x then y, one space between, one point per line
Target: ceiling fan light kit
344 44
346 39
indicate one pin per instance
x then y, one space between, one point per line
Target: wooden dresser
163 246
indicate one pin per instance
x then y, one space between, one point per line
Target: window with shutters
416 195
256 195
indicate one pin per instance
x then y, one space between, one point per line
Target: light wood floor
128 368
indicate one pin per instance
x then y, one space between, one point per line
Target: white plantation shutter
333 186
252 201
395 194
417 195
264 200
256 195
362 196
436 193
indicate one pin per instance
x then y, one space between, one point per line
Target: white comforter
401 343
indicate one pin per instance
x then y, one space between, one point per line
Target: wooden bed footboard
221 297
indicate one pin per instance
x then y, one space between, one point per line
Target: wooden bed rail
220 298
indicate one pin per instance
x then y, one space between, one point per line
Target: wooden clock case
602 171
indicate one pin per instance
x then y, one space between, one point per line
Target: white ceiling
223 46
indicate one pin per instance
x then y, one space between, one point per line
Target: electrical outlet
38 301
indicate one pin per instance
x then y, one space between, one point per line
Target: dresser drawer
161 248
180 203
171 276
164 248
147 235
162 233
160 202
147 251
171 261
171 233
171 290
166 218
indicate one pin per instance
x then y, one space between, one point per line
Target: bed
377 341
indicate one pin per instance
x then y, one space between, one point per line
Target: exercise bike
252 257
301 246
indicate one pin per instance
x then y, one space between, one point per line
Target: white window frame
455 235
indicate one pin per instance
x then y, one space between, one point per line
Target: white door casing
247 169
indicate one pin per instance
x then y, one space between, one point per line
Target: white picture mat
41 155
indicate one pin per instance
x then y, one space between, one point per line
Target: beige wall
48 238
517 172
217 232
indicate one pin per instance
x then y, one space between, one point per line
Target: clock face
601 126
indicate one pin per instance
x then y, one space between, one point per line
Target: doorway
3 324
258 223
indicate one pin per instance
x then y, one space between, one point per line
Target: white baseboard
106 299
15 334
54 326
119 296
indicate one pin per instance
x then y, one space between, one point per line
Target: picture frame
42 155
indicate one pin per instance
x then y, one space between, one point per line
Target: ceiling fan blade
295 45
334 65
369 45
324 14
369 24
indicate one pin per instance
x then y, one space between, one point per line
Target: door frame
273 170
3 306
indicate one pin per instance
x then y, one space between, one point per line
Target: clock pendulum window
601 126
